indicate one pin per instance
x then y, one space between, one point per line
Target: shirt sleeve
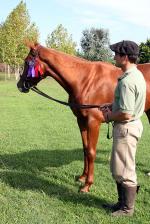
127 98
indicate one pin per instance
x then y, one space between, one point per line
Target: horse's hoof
80 179
84 189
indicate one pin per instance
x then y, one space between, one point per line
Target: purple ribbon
31 70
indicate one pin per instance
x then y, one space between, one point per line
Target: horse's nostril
20 89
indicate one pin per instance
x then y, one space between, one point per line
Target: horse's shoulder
106 69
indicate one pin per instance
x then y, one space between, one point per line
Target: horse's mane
64 54
78 59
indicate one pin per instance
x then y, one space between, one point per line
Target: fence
8 72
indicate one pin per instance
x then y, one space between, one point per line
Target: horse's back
145 69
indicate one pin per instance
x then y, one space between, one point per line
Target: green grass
40 155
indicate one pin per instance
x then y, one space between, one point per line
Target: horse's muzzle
24 87
22 90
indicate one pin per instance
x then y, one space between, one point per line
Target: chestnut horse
86 83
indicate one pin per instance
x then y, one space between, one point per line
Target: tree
94 45
13 32
144 52
60 39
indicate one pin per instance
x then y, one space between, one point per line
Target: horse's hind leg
148 115
82 123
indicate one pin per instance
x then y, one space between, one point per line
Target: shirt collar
128 72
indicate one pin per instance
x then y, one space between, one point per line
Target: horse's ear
30 44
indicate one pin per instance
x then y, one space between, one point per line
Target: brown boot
129 200
119 204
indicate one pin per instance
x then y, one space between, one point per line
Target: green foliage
13 33
145 52
94 44
59 39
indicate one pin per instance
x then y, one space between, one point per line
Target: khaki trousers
122 164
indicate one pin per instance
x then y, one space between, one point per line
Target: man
127 108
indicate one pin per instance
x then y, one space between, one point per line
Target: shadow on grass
21 171
28 181
39 159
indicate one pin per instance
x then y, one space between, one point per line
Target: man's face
120 60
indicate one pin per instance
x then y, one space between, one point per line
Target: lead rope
108 130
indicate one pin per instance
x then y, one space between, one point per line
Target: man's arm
119 116
115 116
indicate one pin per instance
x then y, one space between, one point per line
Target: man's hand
107 114
118 116
106 105
106 111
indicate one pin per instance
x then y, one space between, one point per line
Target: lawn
40 155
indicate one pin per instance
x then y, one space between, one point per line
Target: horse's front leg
92 136
82 123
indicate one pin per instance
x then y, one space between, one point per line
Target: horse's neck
63 68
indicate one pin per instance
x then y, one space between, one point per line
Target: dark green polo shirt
130 93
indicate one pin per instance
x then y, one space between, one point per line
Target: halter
34 70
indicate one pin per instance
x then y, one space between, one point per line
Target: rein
72 105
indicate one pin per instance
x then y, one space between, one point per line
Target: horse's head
33 70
